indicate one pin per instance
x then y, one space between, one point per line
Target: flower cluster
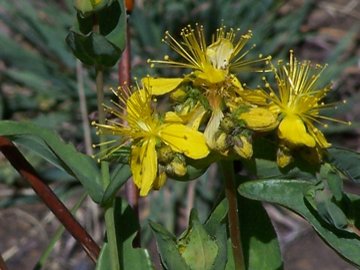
213 113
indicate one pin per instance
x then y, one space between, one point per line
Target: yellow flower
211 64
213 68
139 126
299 103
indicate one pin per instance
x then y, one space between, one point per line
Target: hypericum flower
299 101
141 128
212 68
211 64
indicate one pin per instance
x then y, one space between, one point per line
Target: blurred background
41 82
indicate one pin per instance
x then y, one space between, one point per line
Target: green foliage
118 178
48 145
197 248
101 48
345 243
126 227
39 68
257 235
347 161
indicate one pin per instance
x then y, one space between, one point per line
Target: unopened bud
178 95
87 7
243 146
227 124
160 181
221 142
165 154
176 167
283 156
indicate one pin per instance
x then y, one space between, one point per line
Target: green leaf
167 247
216 225
347 161
290 193
322 201
103 262
196 246
103 48
93 49
258 237
48 145
118 177
126 226
112 22
333 180
217 216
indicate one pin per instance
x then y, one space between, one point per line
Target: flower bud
160 181
176 167
243 146
227 124
283 156
178 95
221 142
89 6
165 154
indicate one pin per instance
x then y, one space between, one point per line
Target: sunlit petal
160 86
293 130
143 165
184 140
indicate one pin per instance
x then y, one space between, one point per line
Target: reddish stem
124 73
2 264
25 169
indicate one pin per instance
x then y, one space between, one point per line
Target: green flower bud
227 124
87 7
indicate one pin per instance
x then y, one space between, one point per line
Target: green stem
233 217
105 176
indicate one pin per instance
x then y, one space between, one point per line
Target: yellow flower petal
194 117
292 129
185 140
160 86
318 135
220 52
143 165
209 75
259 119
212 127
172 117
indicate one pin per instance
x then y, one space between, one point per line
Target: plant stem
105 176
124 74
233 217
2 264
25 169
83 108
